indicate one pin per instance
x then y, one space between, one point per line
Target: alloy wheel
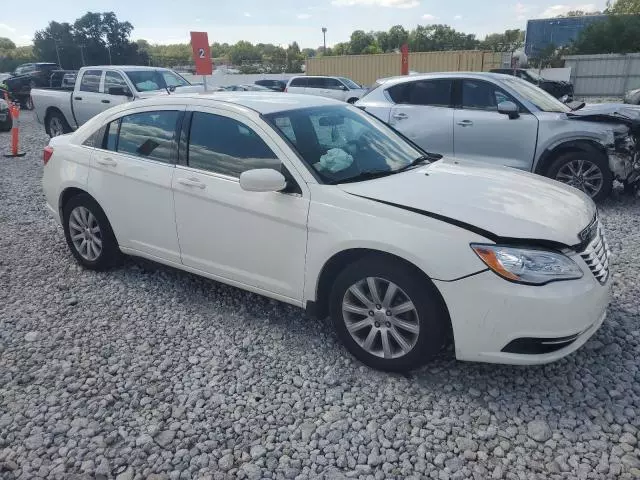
85 233
381 318
582 174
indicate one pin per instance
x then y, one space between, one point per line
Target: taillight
46 154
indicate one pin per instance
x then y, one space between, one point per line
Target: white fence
604 75
219 79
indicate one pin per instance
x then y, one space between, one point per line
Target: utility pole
82 47
109 50
324 39
55 42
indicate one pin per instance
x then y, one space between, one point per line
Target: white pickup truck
96 89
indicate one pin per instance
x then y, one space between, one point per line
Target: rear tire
401 332
586 171
57 124
89 234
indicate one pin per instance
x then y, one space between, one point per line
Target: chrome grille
597 254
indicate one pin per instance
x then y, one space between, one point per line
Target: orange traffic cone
14 111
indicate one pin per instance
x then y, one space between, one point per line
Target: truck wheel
585 171
6 125
57 125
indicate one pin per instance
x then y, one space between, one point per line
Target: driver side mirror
262 180
509 108
120 91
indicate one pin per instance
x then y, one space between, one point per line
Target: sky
285 21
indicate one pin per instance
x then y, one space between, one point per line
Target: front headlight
527 265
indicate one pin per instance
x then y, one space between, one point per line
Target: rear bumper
493 319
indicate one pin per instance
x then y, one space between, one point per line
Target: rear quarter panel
46 100
68 168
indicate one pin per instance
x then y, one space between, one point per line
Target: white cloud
303 16
458 17
556 10
4 26
521 11
377 3
428 16
247 14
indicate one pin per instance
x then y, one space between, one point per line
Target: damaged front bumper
624 158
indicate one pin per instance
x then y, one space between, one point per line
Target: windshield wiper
429 157
364 175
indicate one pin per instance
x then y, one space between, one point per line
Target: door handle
77 98
190 182
465 123
107 162
400 116
106 101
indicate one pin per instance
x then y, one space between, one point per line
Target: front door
423 113
252 239
114 79
87 101
131 180
483 134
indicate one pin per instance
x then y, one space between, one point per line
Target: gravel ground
150 373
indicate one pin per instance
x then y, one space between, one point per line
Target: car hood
499 203
610 113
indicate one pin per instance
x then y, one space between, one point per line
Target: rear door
131 180
87 101
318 86
482 133
423 112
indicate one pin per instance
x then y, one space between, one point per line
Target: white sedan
315 203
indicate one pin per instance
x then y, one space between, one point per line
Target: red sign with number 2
201 53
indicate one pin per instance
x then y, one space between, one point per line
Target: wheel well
340 260
50 111
68 194
549 156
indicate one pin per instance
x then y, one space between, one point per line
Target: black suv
556 88
275 85
30 75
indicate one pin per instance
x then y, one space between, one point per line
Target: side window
284 124
223 145
436 93
298 82
480 95
91 81
148 135
315 82
114 79
332 84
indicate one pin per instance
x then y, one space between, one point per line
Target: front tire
89 234
586 171
388 316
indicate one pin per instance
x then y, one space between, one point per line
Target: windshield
343 144
149 80
349 83
541 99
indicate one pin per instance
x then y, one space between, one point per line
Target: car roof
261 102
123 67
438 75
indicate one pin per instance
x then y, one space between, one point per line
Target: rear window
91 81
298 82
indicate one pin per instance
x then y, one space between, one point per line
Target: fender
579 145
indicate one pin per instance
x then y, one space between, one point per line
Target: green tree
244 52
360 40
6 44
397 36
220 49
616 34
622 7
308 52
57 40
509 41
